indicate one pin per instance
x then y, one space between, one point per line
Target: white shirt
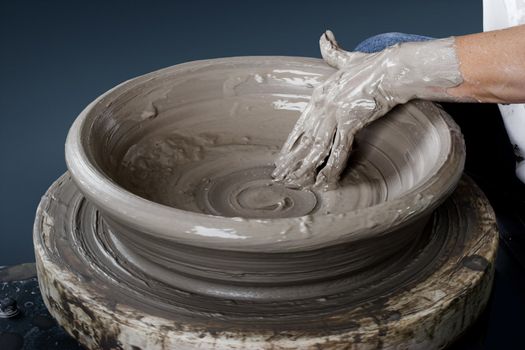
498 14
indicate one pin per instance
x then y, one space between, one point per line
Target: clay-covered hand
364 88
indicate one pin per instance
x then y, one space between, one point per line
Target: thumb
333 54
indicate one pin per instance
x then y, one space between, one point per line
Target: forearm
492 65
486 67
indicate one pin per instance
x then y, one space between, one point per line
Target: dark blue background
57 56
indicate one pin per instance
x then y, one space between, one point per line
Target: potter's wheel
441 283
168 233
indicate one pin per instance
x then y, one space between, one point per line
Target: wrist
424 70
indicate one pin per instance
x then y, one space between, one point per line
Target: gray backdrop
57 56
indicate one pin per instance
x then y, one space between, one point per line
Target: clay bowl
178 161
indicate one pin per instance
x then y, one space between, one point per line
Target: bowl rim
132 212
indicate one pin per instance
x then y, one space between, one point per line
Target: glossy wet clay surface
206 140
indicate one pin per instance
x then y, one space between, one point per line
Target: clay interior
201 138
204 140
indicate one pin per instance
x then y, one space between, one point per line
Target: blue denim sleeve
381 41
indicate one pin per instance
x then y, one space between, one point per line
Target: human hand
365 87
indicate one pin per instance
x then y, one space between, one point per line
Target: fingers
305 172
336 163
287 163
298 143
292 139
291 158
297 131
349 123
333 54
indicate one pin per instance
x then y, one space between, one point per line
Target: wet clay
206 143
365 87
186 154
213 167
